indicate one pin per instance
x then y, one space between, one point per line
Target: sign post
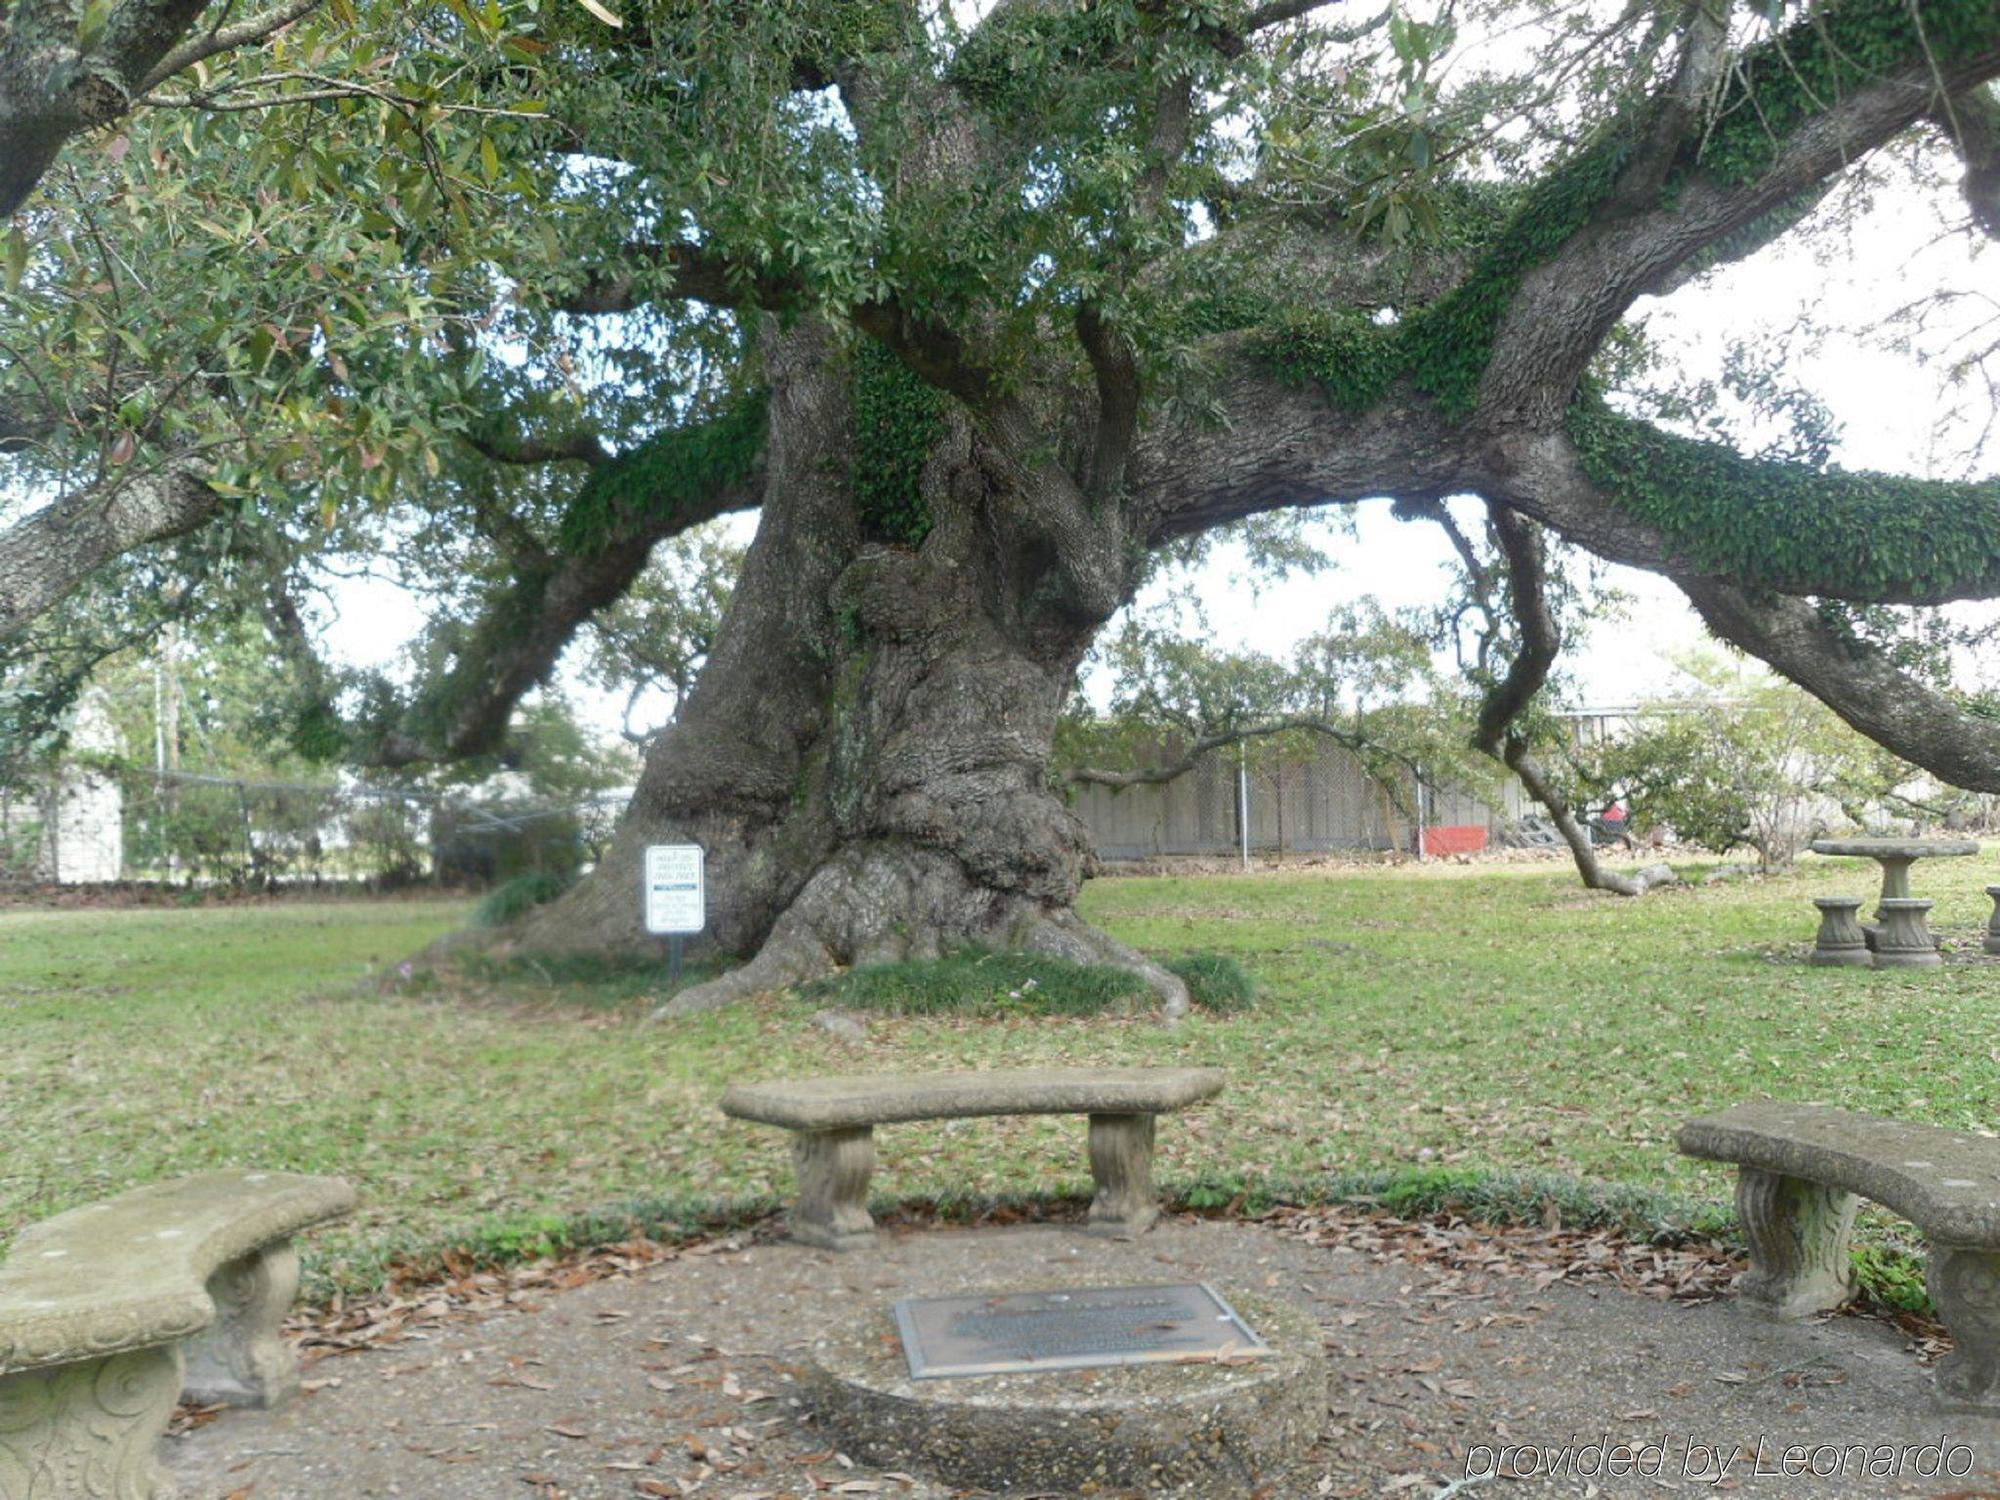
676 898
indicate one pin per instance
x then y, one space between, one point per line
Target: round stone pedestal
1206 1429
1905 941
1841 942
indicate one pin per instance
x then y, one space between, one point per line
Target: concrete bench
111 1312
834 1120
1802 1168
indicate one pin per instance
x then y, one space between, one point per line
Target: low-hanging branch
1538 642
1854 678
626 506
1373 752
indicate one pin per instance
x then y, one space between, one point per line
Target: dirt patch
678 1377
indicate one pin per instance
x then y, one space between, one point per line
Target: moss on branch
676 472
1443 349
1784 83
898 419
1789 527
1783 526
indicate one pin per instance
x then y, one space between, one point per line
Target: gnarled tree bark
48 556
865 757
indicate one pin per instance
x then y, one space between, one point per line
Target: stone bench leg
1121 1159
90 1430
833 1169
1798 1233
1965 1285
242 1359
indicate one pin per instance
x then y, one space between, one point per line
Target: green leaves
17 257
898 417
91 24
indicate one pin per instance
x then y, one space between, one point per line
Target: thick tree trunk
865 757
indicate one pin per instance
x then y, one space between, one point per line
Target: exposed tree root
884 903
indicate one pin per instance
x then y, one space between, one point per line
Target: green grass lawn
1476 1017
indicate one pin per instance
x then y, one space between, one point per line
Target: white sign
674 896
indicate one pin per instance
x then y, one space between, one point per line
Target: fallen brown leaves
391 1316
1695 1270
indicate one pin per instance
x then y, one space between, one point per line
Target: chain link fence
102 824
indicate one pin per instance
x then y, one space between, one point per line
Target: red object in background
1459 838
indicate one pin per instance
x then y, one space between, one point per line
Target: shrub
1216 982
522 893
978 982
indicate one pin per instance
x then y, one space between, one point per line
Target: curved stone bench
1802 1168
110 1312
833 1122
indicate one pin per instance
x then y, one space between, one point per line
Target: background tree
1739 760
1366 682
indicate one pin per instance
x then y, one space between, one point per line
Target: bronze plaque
1076 1328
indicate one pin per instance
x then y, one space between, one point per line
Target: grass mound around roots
521 894
979 982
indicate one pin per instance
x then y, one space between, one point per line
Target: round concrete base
1213 1430
1917 958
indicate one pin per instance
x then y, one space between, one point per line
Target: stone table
1895 856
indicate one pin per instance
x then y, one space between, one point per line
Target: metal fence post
1243 798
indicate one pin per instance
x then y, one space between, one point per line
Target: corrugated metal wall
1327 800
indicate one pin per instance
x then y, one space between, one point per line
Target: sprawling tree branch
650 272
50 554
512 448
1856 681
1557 320
1190 755
523 630
1287 445
219 39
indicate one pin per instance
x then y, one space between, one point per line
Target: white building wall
83 832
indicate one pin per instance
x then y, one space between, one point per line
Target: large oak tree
993 303
1022 322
